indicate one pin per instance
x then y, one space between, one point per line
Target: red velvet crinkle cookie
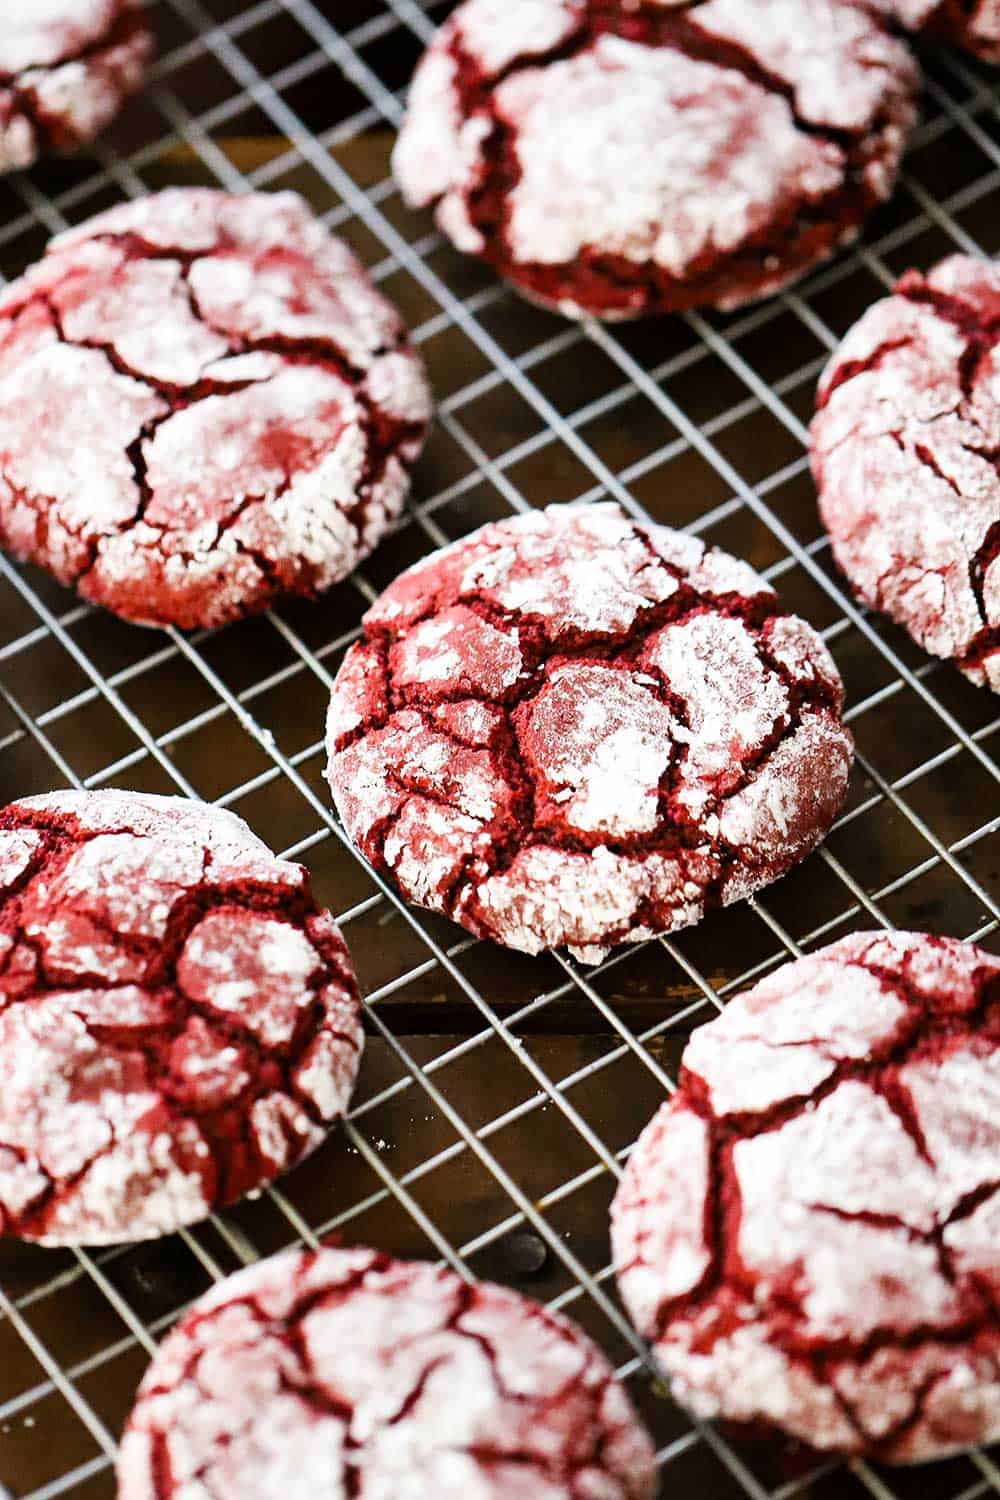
343 1372
809 1232
66 68
571 729
179 1021
905 450
972 24
230 408
619 159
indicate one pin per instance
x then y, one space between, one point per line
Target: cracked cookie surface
972 24
179 1021
615 160
230 408
571 729
808 1232
344 1373
66 68
905 452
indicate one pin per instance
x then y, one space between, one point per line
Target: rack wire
500 1094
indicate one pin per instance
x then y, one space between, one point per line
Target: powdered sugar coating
625 159
66 67
178 1021
573 107
904 450
342 1372
571 729
807 1231
231 408
975 25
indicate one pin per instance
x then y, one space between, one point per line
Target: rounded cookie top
66 67
571 729
972 24
905 451
345 1373
231 409
808 1232
618 160
178 1020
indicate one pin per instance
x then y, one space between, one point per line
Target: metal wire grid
922 735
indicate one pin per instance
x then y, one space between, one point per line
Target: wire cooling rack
500 1094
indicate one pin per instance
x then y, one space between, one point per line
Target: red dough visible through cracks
230 408
809 1232
570 728
179 1021
345 1373
66 66
622 159
906 454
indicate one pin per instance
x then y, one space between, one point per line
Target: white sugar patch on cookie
231 408
841 1121
725 154
170 991
904 452
569 728
471 1387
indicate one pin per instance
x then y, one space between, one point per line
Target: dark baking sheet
499 1093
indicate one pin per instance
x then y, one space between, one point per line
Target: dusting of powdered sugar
836 65
458 644
725 155
38 33
904 450
735 702
621 164
838 1125
598 744
231 408
569 728
344 1372
177 1020
17 852
498 32
66 68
